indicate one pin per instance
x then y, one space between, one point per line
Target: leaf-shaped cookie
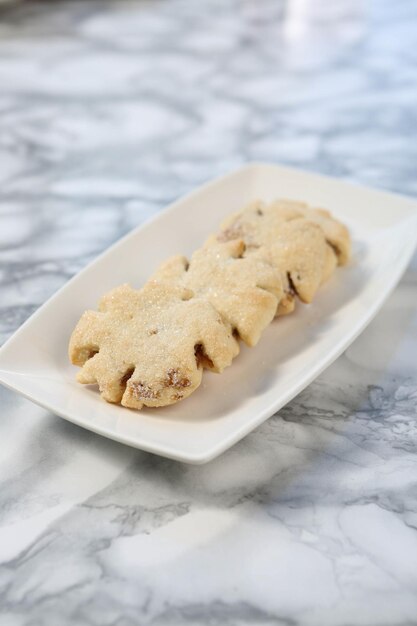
336 233
245 290
256 220
294 245
149 346
302 253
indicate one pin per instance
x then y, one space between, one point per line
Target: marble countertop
108 111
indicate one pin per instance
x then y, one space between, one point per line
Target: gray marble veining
108 111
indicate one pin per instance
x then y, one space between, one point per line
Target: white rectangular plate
292 351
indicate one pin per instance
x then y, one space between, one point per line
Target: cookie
150 346
336 233
292 244
256 220
245 290
301 252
